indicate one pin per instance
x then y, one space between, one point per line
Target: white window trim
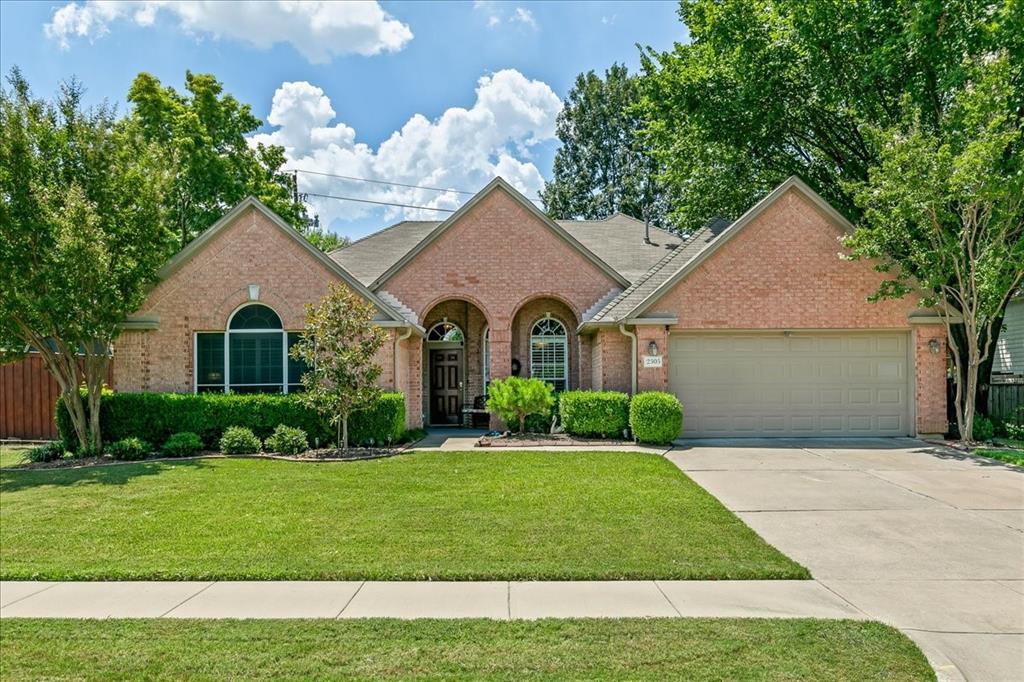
563 338
227 332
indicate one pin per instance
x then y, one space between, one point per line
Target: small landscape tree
514 399
81 238
338 346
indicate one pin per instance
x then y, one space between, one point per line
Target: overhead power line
388 182
379 203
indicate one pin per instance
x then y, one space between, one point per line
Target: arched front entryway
544 343
454 357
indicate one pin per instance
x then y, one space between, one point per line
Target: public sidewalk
367 599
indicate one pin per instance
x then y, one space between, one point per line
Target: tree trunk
985 368
522 423
344 432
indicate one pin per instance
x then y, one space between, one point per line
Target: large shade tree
82 234
204 132
770 88
603 165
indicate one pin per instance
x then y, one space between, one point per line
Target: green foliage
602 166
765 89
381 423
182 444
339 346
128 449
156 416
540 422
50 452
82 235
514 398
655 417
594 413
984 429
287 440
204 132
238 440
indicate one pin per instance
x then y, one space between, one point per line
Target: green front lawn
13 455
681 649
442 515
1006 450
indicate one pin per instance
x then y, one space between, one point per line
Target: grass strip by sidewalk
599 649
426 515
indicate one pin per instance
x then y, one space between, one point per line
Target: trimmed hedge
594 413
655 417
156 416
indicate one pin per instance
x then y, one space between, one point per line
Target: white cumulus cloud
462 149
317 30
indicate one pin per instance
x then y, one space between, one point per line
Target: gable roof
492 186
391 316
639 298
619 241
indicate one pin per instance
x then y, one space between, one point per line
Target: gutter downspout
398 344
632 355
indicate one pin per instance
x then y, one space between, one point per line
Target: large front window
251 356
549 357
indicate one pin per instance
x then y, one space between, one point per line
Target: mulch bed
320 455
508 440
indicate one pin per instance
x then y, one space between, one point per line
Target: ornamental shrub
983 428
182 444
541 421
287 441
238 440
594 413
129 449
515 398
156 416
50 452
655 417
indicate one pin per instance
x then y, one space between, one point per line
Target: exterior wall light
652 348
934 346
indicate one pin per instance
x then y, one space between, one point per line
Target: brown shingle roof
617 240
623 304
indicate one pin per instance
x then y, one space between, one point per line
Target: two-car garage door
791 384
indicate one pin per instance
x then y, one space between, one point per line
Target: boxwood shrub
655 417
182 444
129 449
594 413
238 440
156 416
286 440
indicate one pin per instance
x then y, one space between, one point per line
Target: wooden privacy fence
28 399
1004 399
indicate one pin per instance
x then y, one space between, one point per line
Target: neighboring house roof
389 316
622 305
633 304
619 241
495 185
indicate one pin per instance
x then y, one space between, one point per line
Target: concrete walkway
499 600
452 439
920 537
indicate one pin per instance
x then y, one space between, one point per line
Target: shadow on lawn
12 480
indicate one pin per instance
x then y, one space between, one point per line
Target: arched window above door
445 331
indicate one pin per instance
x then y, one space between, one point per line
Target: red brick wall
499 256
204 292
930 388
783 271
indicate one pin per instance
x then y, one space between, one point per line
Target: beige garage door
799 384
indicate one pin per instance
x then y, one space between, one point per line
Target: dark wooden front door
445 389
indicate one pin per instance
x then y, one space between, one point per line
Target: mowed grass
634 649
13 455
440 515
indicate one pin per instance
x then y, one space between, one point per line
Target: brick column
651 378
501 358
930 379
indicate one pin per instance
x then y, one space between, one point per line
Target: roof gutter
632 356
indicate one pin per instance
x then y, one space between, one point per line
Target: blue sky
459 90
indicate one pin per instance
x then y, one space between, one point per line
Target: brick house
758 325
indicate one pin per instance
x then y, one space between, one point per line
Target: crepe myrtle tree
944 215
81 238
339 346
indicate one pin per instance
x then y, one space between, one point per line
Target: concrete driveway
913 535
